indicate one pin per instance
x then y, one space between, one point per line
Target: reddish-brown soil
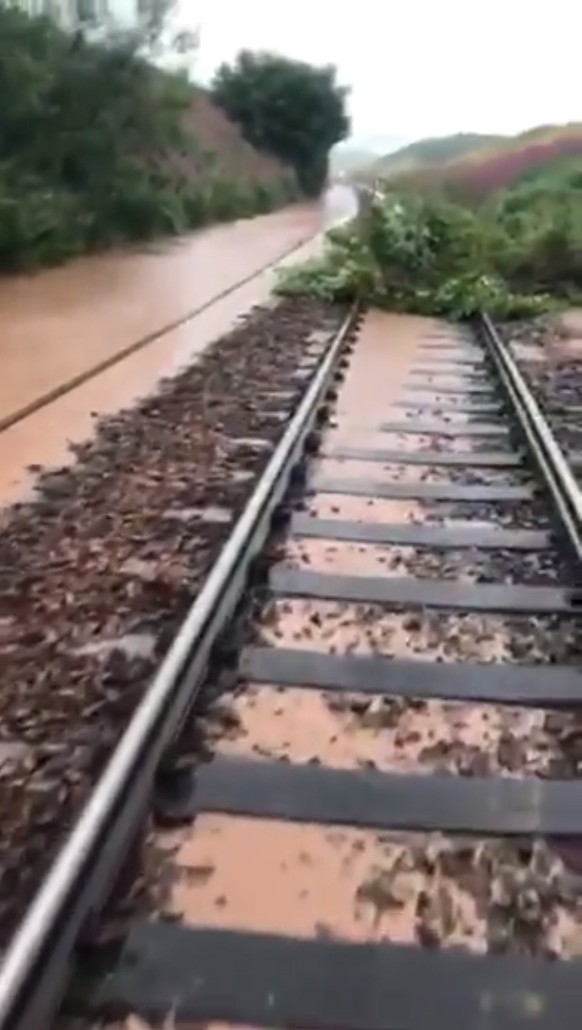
215 134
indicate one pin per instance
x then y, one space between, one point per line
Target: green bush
85 138
142 205
431 256
543 229
196 207
224 199
39 224
268 197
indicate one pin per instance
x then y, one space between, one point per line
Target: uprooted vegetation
97 146
516 255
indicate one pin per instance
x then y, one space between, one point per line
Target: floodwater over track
138 315
383 773
374 708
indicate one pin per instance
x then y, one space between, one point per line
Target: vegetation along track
363 745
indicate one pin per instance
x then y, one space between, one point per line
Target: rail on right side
565 494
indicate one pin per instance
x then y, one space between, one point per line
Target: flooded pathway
61 323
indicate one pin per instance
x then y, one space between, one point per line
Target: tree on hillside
291 109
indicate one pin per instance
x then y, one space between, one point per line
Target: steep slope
218 141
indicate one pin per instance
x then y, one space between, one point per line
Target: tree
98 144
160 35
291 109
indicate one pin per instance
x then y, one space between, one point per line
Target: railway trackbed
548 355
350 796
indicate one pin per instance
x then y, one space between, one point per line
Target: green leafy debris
428 255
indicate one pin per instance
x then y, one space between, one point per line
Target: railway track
383 665
550 363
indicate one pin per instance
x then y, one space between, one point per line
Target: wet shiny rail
267 979
552 465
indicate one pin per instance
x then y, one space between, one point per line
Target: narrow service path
44 438
61 322
65 322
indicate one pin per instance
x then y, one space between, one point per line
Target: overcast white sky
417 67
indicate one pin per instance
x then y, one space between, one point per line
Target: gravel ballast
549 353
97 574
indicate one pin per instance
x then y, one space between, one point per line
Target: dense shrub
541 219
431 256
288 108
87 138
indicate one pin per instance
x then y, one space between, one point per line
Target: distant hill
498 164
432 152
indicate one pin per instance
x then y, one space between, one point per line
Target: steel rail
38 960
565 494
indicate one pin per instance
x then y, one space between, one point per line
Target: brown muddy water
60 323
